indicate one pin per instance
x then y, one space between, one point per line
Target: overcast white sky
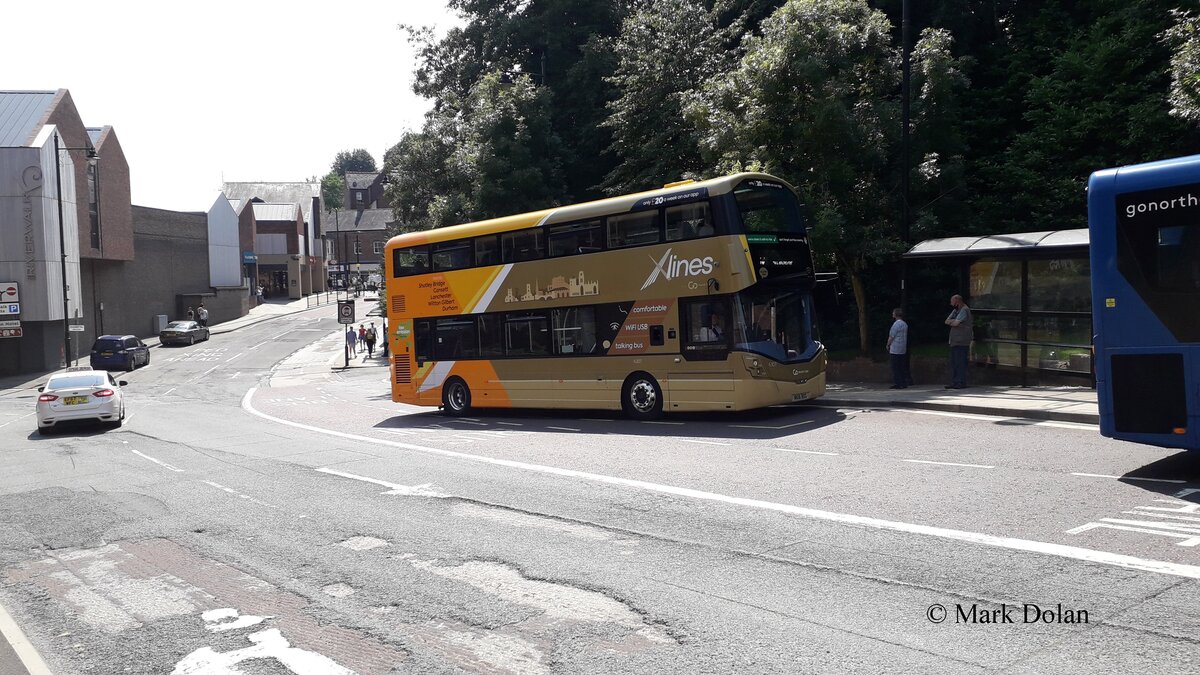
247 90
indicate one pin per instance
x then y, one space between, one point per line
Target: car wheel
641 397
191 340
456 397
147 359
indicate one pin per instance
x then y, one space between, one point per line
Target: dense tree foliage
353 160
1014 104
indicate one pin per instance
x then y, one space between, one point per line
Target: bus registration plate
800 397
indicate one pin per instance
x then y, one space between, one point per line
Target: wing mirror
123 383
41 389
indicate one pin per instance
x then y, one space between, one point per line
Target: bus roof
561 214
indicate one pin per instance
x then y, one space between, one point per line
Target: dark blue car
119 352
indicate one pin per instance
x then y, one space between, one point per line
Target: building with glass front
1030 295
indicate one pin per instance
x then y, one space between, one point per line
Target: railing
318 299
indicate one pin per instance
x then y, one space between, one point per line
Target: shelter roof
1016 244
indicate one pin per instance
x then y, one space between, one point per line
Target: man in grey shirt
961 333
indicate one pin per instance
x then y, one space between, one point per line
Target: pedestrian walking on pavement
897 346
202 314
961 334
371 337
191 313
362 337
351 341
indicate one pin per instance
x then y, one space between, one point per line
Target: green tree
353 160
1184 39
667 49
815 99
499 155
556 43
333 190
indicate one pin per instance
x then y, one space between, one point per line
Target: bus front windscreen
771 322
768 207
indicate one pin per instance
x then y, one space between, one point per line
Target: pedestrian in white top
897 346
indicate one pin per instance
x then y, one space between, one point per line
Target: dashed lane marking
692 440
808 452
564 428
986 418
159 462
926 461
1010 543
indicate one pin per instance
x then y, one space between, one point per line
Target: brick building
122 264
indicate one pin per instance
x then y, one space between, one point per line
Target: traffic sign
345 311
10 324
10 332
9 292
76 328
10 308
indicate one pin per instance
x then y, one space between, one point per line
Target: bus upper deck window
521 245
767 207
571 238
409 261
689 221
634 229
452 255
487 251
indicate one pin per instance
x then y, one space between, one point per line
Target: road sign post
346 316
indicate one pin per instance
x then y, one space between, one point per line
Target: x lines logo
670 266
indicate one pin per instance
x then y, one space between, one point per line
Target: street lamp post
62 241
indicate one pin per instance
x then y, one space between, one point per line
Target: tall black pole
906 164
62 244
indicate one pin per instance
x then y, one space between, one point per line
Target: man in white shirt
897 346
714 332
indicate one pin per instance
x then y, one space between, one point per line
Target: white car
80 394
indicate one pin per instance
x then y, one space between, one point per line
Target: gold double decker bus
695 297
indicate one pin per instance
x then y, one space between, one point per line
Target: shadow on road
763 424
1182 466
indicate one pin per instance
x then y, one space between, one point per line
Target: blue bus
1144 223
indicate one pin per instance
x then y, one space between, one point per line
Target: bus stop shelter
1030 294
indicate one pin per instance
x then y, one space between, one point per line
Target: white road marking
266 644
671 423
422 490
763 426
692 440
807 452
563 428
990 418
1060 550
128 417
465 421
511 424
156 461
238 494
926 461
169 390
25 652
1148 480
18 419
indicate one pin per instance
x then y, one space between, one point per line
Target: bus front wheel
641 397
456 397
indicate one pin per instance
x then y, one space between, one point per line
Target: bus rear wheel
641 397
456 397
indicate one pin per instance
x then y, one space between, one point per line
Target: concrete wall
116 214
224 255
170 259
